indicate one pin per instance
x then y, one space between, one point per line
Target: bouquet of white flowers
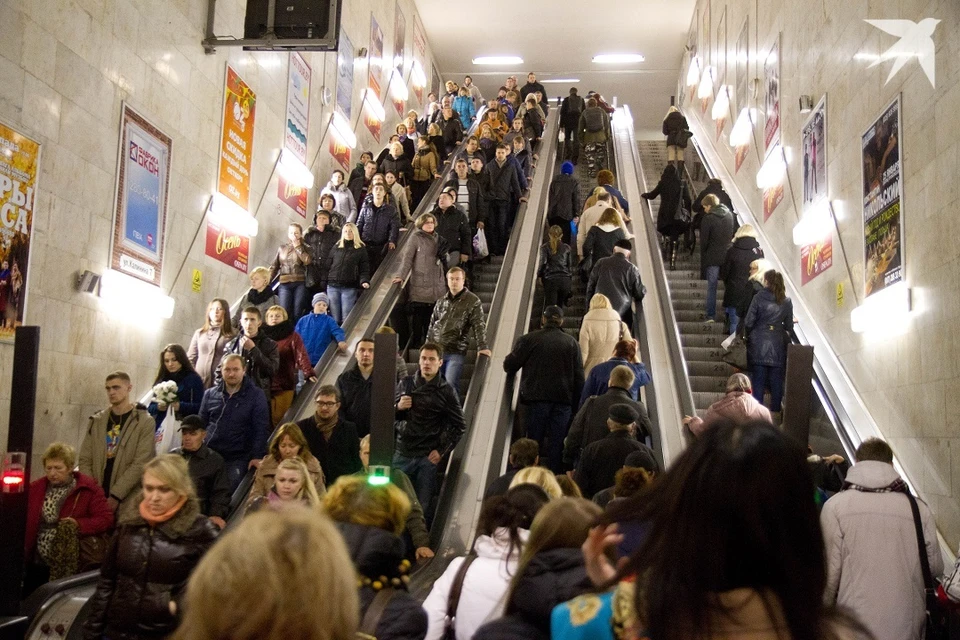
166 392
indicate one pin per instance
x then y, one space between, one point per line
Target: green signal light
379 475
378 480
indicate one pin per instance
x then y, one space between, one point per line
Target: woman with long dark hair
209 341
556 268
768 323
673 193
175 366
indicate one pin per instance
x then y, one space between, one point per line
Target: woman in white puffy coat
501 533
600 332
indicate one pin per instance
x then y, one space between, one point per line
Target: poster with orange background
236 140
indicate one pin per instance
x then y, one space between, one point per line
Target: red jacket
293 356
86 504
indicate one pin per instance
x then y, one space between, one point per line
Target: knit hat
567 168
320 297
623 414
642 459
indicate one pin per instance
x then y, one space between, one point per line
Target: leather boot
673 255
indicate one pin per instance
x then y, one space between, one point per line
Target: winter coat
768 325
591 215
452 132
555 265
735 272
346 206
425 166
670 191
600 242
596 384
600 461
673 125
501 183
454 227
355 394
146 568
291 263
423 258
378 225
600 331
589 115
349 266
590 423
86 503
619 280
873 563
263 359
376 553
359 188
484 586
321 245
205 352
716 234
736 406
238 424
136 447
533 87
209 475
564 198
618 197
268 299
400 167
318 330
398 196
552 577
457 319
293 357
434 422
570 110
266 477
477 207
552 366
338 456
189 392
715 188
464 106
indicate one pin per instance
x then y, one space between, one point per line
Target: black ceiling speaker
304 25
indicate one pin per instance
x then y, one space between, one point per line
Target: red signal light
13 479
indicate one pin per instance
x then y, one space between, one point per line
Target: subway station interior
155 154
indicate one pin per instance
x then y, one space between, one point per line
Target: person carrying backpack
594 132
573 105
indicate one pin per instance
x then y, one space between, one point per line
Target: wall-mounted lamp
806 104
742 128
373 105
773 170
398 88
417 75
721 106
815 224
129 296
342 130
886 310
705 90
226 213
693 72
294 170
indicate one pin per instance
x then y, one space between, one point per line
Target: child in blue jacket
318 329
463 104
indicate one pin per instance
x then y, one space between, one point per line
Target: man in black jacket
379 226
469 195
501 189
716 234
333 440
533 86
207 470
319 239
564 202
523 453
551 383
430 423
452 130
601 460
360 185
573 105
258 351
356 386
618 279
458 317
453 226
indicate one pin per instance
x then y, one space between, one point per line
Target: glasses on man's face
327 404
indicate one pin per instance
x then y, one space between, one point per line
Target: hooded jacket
873 562
146 568
737 407
735 272
266 477
716 233
136 447
670 189
673 124
601 240
238 424
86 504
457 319
591 215
321 247
454 227
349 266
205 352
346 206
318 330
293 356
423 258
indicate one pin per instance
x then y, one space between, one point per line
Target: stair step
702 400
696 328
707 384
700 340
709 354
690 315
717 368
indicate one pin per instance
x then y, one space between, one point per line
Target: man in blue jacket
317 329
237 417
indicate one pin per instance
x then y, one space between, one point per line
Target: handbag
937 623
93 549
453 599
683 213
683 137
736 354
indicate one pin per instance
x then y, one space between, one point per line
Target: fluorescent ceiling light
618 58
498 60
560 81
294 171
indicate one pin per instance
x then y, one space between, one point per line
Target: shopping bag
480 249
729 341
168 435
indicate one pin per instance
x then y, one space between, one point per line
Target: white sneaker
709 321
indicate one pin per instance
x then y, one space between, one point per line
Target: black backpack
593 118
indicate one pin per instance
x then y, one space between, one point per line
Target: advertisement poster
373 123
771 97
19 171
813 144
293 196
298 107
772 198
236 140
705 42
345 77
229 248
720 58
140 209
816 258
882 201
435 85
340 153
375 71
419 52
741 82
399 39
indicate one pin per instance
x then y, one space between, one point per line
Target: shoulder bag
368 626
453 599
937 621
683 213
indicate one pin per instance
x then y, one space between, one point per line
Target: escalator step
716 368
702 354
702 400
707 384
701 340
701 328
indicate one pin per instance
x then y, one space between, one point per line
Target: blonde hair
307 492
540 477
263 272
434 129
396 149
739 382
609 216
172 470
672 109
745 231
763 265
554 233
357 242
353 500
60 451
278 309
622 377
599 301
255 567
710 199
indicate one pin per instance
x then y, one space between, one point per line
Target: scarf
897 486
255 297
177 376
278 332
326 426
153 520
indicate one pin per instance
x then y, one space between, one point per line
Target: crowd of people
586 535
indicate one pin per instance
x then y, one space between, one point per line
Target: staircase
707 373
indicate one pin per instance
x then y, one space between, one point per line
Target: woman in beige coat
209 341
424 259
288 442
600 331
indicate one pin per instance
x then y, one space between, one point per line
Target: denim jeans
423 475
550 420
452 369
733 320
762 376
235 470
342 300
293 298
496 227
713 275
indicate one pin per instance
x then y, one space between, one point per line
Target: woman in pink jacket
737 406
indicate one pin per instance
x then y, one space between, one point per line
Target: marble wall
906 378
66 66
